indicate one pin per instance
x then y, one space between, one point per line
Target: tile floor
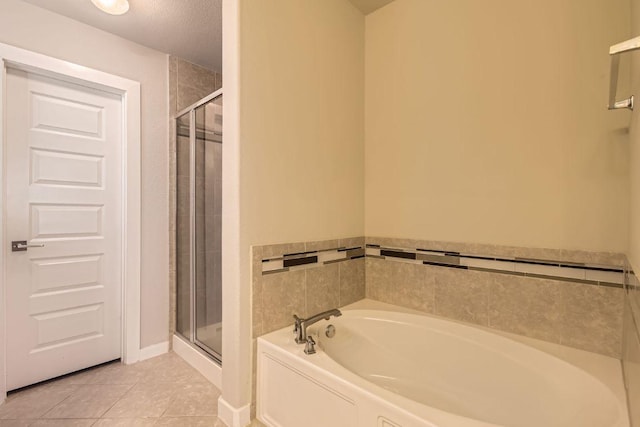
163 391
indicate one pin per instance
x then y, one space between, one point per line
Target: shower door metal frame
191 110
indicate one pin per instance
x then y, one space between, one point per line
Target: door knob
21 245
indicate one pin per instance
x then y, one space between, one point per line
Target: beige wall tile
593 318
189 95
256 291
270 251
173 86
322 245
352 281
400 283
578 315
526 306
192 83
195 75
283 295
599 258
462 294
352 242
323 288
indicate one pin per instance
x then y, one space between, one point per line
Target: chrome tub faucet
301 325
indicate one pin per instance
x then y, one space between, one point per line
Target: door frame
129 91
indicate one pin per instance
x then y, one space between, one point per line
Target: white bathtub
385 369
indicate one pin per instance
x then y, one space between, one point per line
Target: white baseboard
154 350
233 417
201 362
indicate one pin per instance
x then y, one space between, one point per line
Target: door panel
63 163
59 168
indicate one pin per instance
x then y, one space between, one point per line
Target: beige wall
302 121
486 122
631 354
41 31
301 136
634 145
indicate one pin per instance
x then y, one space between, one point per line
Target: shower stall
199 224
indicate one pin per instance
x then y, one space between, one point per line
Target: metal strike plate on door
21 246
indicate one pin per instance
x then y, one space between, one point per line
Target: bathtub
390 368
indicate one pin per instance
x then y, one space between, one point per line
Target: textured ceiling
368 6
190 29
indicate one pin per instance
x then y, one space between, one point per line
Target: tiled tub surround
591 274
631 346
304 278
576 302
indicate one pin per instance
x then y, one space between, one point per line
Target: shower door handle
21 246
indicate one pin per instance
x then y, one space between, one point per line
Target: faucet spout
301 325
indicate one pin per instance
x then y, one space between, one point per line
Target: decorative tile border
600 275
310 259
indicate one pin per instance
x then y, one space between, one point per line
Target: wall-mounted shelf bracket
615 51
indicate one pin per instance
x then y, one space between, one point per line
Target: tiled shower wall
188 83
631 345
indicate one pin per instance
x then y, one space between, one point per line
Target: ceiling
368 6
190 29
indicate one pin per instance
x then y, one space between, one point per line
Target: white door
63 193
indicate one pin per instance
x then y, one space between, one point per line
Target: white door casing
128 92
63 193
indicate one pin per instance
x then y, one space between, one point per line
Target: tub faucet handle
297 327
310 348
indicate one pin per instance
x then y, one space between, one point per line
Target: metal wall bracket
625 103
614 52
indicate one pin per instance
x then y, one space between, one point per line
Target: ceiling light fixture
112 7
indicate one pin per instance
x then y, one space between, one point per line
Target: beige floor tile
88 401
63 423
199 399
125 396
125 422
168 368
15 423
35 402
78 378
190 422
142 401
116 373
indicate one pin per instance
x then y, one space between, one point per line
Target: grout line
306 304
339 286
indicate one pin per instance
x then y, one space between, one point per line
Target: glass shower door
199 225
183 225
208 224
